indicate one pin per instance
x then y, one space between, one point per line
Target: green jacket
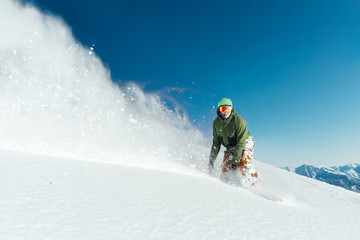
231 133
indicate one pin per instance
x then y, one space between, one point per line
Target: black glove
234 165
211 165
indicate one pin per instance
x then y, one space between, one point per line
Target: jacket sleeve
215 148
241 134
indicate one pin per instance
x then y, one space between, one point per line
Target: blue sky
292 68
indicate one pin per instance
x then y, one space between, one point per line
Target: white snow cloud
57 99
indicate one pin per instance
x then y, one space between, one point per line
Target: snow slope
54 198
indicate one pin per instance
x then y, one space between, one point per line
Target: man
229 129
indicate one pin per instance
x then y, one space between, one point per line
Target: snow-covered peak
346 176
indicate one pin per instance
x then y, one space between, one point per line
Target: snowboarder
229 129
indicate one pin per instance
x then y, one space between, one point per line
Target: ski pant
245 164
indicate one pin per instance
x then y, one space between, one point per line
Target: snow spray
58 99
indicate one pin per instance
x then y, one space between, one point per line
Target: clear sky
292 68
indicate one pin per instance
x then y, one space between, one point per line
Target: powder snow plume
59 100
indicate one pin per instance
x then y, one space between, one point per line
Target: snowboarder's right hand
210 166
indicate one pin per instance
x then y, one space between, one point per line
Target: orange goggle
225 109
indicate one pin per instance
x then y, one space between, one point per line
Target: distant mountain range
347 176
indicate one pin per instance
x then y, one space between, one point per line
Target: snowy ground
52 198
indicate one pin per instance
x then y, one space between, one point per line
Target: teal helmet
225 102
